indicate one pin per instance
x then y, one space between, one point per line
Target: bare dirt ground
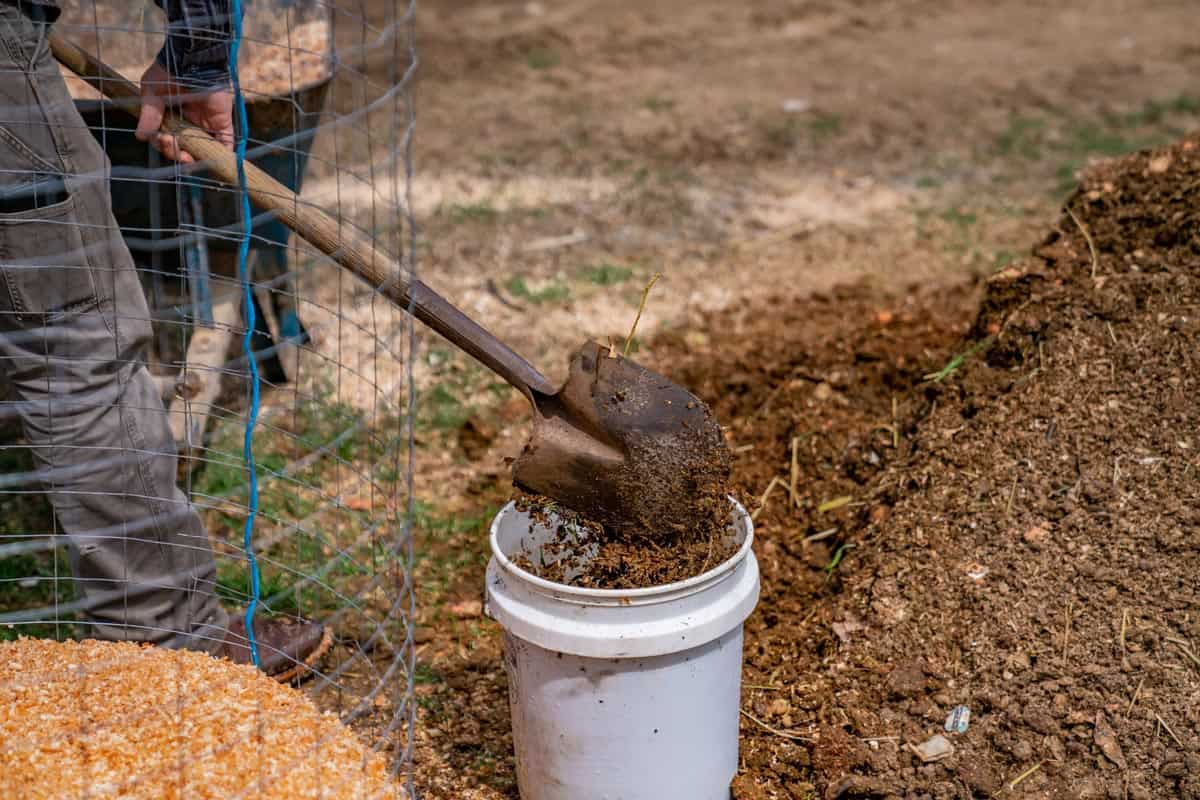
764 156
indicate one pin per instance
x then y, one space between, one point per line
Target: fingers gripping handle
345 244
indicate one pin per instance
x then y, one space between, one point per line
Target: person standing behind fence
74 327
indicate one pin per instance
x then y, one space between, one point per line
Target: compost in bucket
586 554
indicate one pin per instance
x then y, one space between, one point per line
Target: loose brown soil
586 554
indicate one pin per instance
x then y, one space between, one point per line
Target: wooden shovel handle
345 244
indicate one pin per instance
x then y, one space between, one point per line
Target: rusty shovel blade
625 447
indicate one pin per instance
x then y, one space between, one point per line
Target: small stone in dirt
744 788
1057 748
922 707
907 679
934 749
1090 789
980 777
1106 740
1173 769
779 707
1036 535
1040 721
843 629
1018 662
1159 164
467 609
858 786
1079 718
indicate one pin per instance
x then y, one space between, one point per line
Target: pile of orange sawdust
108 720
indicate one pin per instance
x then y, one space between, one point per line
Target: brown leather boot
286 650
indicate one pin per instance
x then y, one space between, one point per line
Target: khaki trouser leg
73 330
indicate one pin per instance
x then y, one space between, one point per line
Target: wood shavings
120 720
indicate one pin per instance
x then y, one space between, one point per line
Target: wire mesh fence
207 423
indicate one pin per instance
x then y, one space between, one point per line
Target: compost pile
1028 550
104 719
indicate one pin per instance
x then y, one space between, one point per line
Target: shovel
617 443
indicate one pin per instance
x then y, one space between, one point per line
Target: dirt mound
1031 556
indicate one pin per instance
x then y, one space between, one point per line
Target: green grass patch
1023 137
1156 112
472 212
542 58
313 449
276 586
442 409
607 274
550 293
1003 258
658 104
37 579
825 125
1093 139
285 492
452 546
959 218
1070 143
59 631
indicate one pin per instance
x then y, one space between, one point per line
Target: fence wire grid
259 406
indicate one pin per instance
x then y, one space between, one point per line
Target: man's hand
211 110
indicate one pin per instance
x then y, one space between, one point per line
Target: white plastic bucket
622 694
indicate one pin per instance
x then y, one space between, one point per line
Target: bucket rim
662 592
